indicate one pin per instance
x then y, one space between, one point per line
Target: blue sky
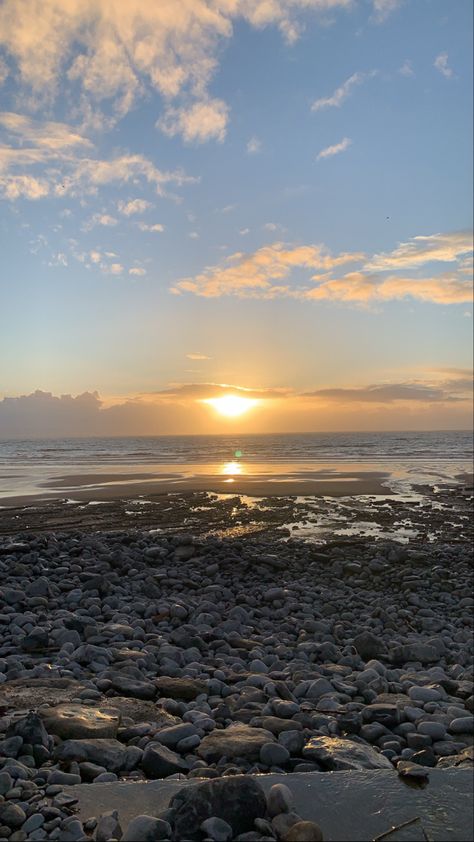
275 196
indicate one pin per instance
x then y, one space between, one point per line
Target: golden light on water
231 405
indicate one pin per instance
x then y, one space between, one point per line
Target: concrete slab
348 806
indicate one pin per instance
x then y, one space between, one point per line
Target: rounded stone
279 800
274 754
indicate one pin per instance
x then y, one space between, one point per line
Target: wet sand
112 486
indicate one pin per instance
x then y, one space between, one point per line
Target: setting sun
231 405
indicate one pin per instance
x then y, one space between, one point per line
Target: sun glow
231 405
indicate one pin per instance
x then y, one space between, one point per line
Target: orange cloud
260 274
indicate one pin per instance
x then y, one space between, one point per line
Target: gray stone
108 827
235 741
334 754
462 725
170 737
274 754
31 729
238 800
368 646
146 829
180 688
11 814
217 829
108 753
160 762
279 800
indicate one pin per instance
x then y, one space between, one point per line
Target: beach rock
160 762
279 800
235 741
274 754
237 800
170 737
11 814
108 827
368 645
303 832
424 652
334 754
217 829
78 722
31 729
180 688
412 770
135 688
146 829
109 753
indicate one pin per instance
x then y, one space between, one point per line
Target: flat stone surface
78 722
369 803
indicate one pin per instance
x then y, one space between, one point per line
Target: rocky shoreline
129 655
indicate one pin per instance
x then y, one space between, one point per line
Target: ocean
454 447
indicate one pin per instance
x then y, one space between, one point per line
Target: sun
231 405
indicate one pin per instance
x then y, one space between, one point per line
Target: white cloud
107 53
156 228
197 356
384 8
441 64
133 206
342 92
406 68
244 231
254 146
206 120
193 235
329 151
23 187
138 271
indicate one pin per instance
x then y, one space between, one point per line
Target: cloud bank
179 408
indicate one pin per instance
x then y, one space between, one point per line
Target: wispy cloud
197 356
447 248
55 137
336 149
406 68
342 92
137 270
66 166
384 8
133 206
441 64
311 273
254 145
100 219
154 227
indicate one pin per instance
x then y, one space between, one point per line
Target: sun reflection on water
232 468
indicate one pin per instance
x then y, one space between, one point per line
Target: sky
265 198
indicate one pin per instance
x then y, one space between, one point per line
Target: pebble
223 664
